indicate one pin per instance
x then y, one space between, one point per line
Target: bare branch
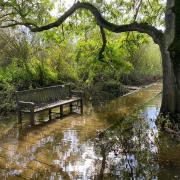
103 35
150 4
137 10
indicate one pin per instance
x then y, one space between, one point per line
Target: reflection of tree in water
169 158
128 150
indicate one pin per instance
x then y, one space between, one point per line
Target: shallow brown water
67 148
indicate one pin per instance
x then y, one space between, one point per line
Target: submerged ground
77 147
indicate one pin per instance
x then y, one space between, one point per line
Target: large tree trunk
172 48
168 98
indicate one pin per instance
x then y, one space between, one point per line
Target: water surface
75 148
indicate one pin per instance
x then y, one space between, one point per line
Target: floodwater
78 147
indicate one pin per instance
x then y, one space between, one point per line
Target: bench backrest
42 96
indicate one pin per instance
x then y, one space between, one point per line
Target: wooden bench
37 100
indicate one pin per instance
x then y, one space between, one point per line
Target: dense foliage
69 53
30 62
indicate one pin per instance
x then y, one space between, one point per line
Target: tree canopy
137 16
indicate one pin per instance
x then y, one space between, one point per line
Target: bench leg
19 114
32 121
61 111
50 112
81 105
71 107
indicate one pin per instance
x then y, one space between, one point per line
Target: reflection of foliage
171 125
128 149
164 121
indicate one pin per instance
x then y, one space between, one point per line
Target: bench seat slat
53 105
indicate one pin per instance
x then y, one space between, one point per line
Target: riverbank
99 92
106 92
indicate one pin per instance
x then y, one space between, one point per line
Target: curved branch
140 27
103 35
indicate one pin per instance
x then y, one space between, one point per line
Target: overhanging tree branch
103 23
140 27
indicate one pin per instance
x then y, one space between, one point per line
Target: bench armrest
23 104
77 93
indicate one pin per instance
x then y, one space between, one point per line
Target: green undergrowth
39 62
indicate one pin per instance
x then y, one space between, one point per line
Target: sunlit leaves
34 12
